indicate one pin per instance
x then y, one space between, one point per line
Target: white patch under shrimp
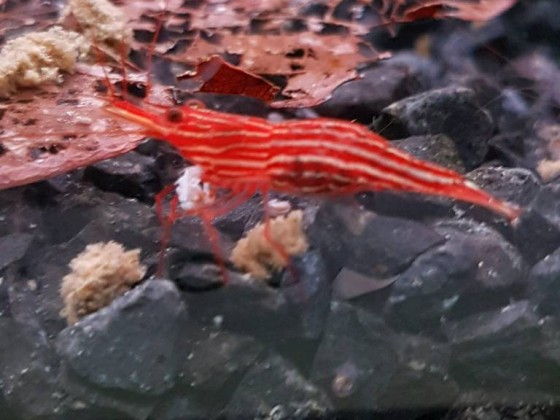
278 207
191 191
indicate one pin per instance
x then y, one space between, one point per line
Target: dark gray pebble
367 243
356 358
273 388
544 281
377 88
131 175
474 270
296 311
452 111
437 148
131 345
503 350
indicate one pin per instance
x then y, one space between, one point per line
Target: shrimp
322 157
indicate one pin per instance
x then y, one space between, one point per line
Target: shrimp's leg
207 213
166 221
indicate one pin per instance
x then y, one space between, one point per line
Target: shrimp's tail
469 192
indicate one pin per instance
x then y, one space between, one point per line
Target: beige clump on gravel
257 255
101 273
39 57
100 21
548 169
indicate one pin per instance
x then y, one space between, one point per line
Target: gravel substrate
404 307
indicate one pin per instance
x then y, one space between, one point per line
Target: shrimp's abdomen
338 157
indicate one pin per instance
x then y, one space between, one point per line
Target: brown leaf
18 17
221 77
55 129
311 52
474 10
312 47
313 65
481 11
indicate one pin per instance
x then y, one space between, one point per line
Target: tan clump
38 57
548 169
258 256
101 273
101 21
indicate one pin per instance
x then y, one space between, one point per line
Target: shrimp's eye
174 115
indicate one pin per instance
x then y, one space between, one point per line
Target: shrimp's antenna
152 48
122 51
101 60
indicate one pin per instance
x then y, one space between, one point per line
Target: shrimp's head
157 120
172 123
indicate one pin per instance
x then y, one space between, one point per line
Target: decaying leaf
470 10
313 66
218 76
19 16
58 128
309 47
313 47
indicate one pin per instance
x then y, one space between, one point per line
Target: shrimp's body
318 156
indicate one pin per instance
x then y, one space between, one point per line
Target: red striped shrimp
319 156
322 156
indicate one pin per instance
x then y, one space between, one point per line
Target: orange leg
166 222
210 212
206 212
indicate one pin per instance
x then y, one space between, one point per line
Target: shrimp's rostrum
317 156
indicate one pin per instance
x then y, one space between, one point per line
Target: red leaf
219 76
313 54
476 10
423 13
55 129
